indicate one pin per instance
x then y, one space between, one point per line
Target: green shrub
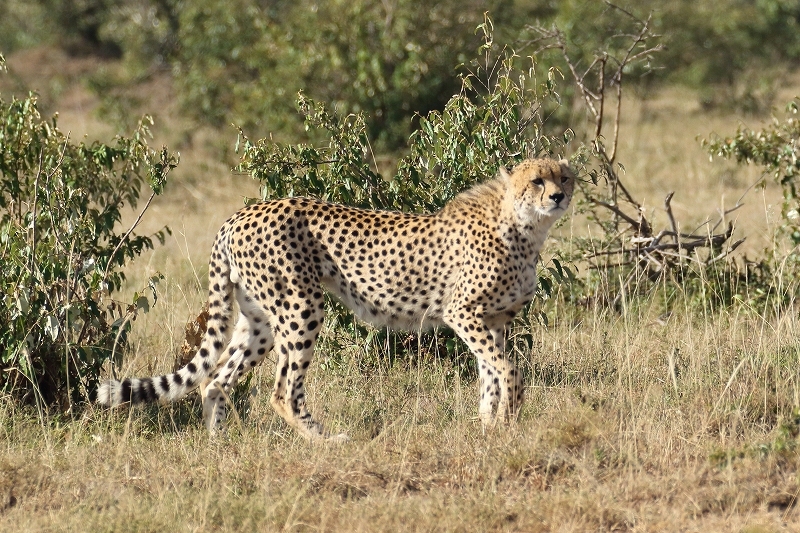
497 117
772 276
774 147
62 252
243 61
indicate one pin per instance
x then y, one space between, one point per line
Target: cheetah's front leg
512 394
489 379
501 387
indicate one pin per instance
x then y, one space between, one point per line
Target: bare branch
672 222
628 236
622 10
601 85
726 253
614 143
667 249
645 53
617 211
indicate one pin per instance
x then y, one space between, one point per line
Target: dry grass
633 422
607 441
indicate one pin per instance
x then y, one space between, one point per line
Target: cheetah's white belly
395 315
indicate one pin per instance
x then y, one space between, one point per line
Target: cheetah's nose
557 197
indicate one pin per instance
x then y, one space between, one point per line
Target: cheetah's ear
503 171
564 163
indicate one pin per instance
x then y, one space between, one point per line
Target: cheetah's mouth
553 209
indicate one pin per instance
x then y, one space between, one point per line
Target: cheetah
470 266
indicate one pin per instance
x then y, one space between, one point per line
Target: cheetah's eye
564 179
538 181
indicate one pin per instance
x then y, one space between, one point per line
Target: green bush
242 61
497 117
771 278
774 147
62 252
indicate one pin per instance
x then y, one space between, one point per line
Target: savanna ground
639 420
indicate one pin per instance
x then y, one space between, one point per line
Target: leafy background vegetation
662 351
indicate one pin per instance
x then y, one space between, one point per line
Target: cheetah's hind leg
291 406
294 346
251 341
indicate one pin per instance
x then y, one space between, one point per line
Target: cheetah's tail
171 387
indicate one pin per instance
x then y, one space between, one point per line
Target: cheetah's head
540 188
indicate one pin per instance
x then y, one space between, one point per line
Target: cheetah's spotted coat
471 266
